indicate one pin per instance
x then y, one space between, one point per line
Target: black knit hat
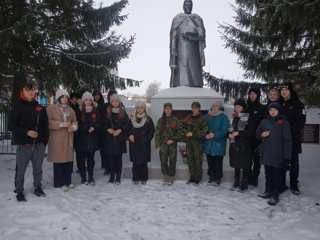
241 102
75 95
196 104
167 105
275 105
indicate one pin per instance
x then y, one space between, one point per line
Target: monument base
181 99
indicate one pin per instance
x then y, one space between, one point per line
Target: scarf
212 114
139 119
115 110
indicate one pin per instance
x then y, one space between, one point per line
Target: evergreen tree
277 41
60 42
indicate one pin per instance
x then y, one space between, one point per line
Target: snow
188 92
155 211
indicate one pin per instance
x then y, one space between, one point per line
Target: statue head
187 6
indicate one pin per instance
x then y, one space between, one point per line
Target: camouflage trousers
194 160
168 158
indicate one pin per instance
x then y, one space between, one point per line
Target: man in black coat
256 114
30 134
294 110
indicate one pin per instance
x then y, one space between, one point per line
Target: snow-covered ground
154 211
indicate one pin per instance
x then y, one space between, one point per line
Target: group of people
258 134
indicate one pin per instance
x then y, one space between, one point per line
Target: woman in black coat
240 151
294 110
256 114
115 126
276 150
99 100
87 138
140 136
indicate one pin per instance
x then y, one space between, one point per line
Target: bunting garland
233 89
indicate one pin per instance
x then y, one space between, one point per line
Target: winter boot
21 198
274 200
111 179
265 195
244 185
91 181
39 192
295 190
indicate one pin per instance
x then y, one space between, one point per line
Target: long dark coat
240 151
87 142
294 111
115 145
277 148
257 113
140 150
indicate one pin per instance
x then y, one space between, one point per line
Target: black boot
236 184
21 198
91 181
295 190
111 180
244 185
39 192
254 181
190 181
118 178
265 195
83 180
274 200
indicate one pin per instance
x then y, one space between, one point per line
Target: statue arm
173 45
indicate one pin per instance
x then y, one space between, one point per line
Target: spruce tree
277 41
60 42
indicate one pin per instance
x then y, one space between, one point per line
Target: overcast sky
150 21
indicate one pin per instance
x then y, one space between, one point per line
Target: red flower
94 116
38 108
173 125
280 122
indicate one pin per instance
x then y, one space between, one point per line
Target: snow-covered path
153 212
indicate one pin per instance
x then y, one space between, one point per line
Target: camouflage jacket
197 125
168 128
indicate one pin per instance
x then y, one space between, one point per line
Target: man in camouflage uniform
167 135
195 129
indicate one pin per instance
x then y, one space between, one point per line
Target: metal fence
5 134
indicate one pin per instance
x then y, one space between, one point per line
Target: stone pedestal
181 99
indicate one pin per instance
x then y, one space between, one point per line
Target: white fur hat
115 97
141 104
87 96
60 93
217 103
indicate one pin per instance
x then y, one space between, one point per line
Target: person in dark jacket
75 98
240 150
87 138
106 160
101 106
115 125
30 134
140 135
256 113
276 150
294 110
